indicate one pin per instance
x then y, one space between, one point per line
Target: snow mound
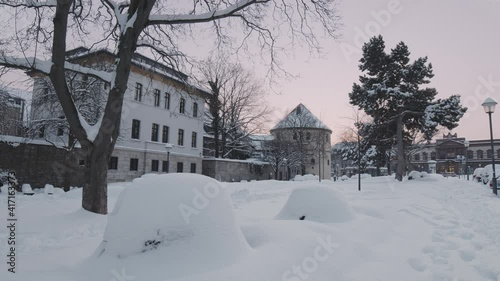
344 178
307 177
363 176
183 218
26 188
316 203
49 189
413 175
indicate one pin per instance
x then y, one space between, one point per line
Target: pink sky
461 39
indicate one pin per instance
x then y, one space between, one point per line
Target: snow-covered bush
424 174
344 178
307 177
49 189
414 175
26 189
363 176
184 218
316 203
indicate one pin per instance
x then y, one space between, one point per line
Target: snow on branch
29 3
204 17
44 67
26 64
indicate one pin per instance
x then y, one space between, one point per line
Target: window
417 157
138 92
167 101
134 164
470 154
433 155
157 97
182 105
81 163
193 168
313 161
60 131
195 110
180 167
308 136
489 153
295 136
425 156
180 137
193 140
154 132
154 165
498 154
164 166
164 134
479 154
113 163
136 129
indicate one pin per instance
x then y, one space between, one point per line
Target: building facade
312 142
451 156
12 112
159 108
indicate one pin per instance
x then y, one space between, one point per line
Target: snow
316 203
433 229
49 189
26 188
306 177
414 175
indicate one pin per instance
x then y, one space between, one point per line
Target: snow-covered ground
432 228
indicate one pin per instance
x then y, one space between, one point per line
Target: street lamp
168 147
466 144
489 108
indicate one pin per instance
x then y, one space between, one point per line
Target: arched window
489 153
425 156
479 154
416 157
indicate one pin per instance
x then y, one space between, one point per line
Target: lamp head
489 105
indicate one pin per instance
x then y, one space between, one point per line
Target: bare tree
41 44
235 107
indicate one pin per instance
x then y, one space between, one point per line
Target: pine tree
392 92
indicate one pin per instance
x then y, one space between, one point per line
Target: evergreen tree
391 92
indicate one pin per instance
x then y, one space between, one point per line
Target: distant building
452 157
12 112
448 156
302 127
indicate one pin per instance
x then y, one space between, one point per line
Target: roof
300 117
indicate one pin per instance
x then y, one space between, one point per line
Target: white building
159 107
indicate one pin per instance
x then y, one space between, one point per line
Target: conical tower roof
300 117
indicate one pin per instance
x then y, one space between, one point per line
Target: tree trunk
400 146
95 186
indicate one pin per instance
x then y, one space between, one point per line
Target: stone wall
39 164
228 170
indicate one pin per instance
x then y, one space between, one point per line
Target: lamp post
168 147
489 108
285 162
466 144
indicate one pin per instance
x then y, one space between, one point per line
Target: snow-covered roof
301 117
